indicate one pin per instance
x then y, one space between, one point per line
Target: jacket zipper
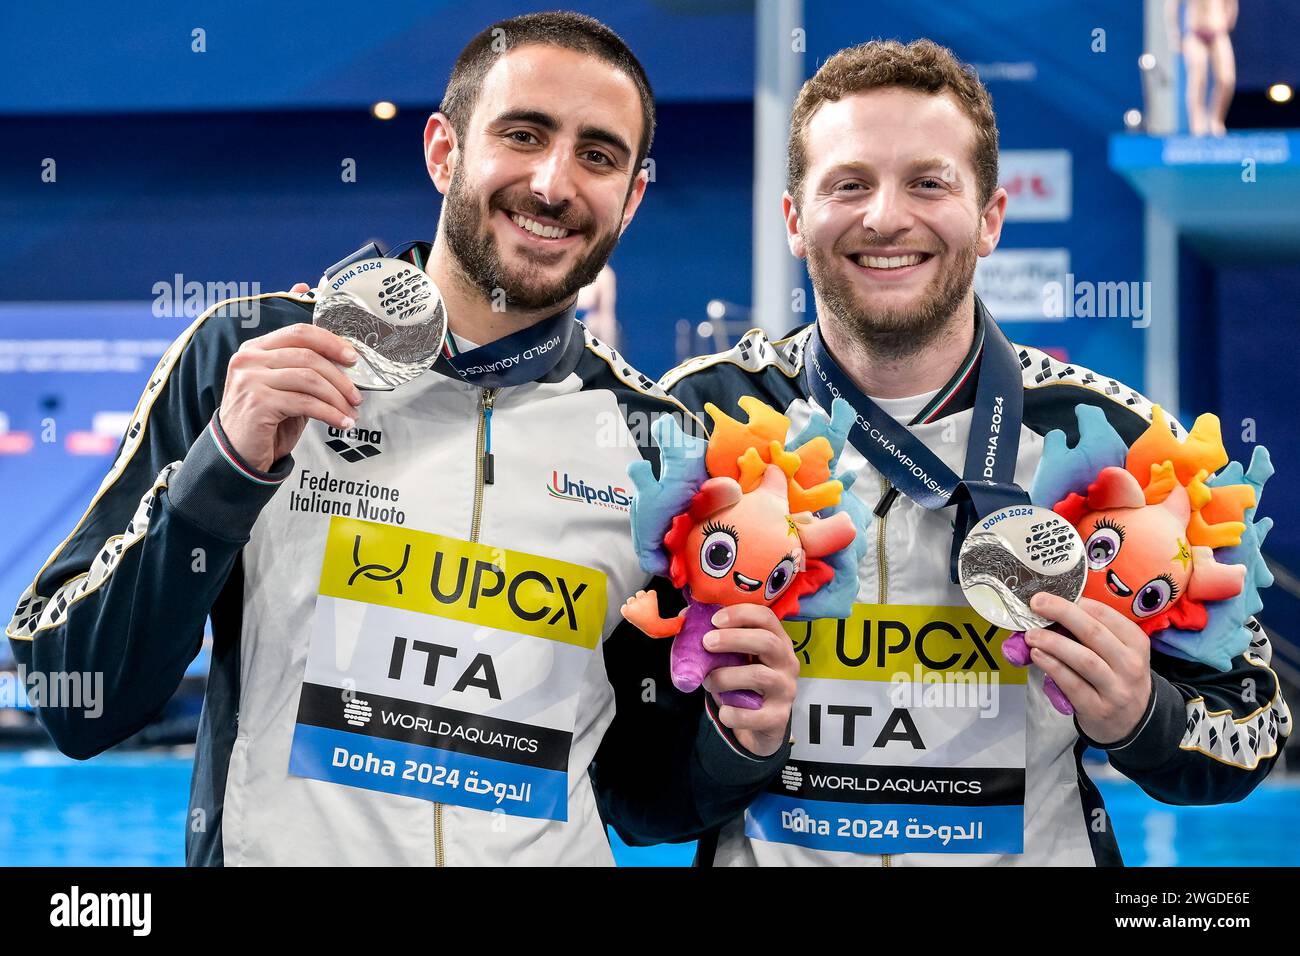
882 579
483 467
483 475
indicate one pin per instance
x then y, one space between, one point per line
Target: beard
893 332
523 283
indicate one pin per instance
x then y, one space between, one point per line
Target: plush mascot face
1143 559
748 553
751 533
738 547
1139 561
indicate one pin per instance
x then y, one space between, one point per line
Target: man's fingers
1082 660
756 677
300 404
1082 625
306 335
772 650
306 381
1082 695
306 358
747 615
299 288
1125 630
765 720
754 630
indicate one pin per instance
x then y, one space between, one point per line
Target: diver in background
596 307
1204 45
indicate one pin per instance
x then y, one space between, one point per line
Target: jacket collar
573 338
958 393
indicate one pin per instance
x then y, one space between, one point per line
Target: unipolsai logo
567 488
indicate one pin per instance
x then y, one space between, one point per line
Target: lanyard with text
908 465
519 358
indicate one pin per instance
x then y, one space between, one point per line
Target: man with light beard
892 197
411 594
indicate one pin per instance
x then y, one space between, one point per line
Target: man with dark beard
916 742
411 596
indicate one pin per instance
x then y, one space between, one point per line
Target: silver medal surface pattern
1012 555
391 312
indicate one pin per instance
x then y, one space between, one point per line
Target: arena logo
355 444
567 489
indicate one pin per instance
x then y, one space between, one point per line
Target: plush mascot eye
1153 597
1103 544
718 553
779 579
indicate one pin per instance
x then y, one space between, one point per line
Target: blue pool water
129 809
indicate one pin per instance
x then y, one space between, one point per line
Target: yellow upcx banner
880 641
463 581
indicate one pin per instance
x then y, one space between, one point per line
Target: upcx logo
378 572
356 444
464 581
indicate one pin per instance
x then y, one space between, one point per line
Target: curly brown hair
922 65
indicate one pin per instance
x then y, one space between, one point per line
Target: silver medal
391 312
1013 554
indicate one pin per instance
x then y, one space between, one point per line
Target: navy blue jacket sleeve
668 770
1208 736
119 607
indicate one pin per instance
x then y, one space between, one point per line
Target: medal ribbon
989 473
519 358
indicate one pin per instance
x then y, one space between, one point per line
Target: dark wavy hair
571 31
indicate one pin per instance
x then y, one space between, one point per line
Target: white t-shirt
903 410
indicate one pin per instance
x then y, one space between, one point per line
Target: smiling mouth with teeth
744 583
1116 585
891 262
539 229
